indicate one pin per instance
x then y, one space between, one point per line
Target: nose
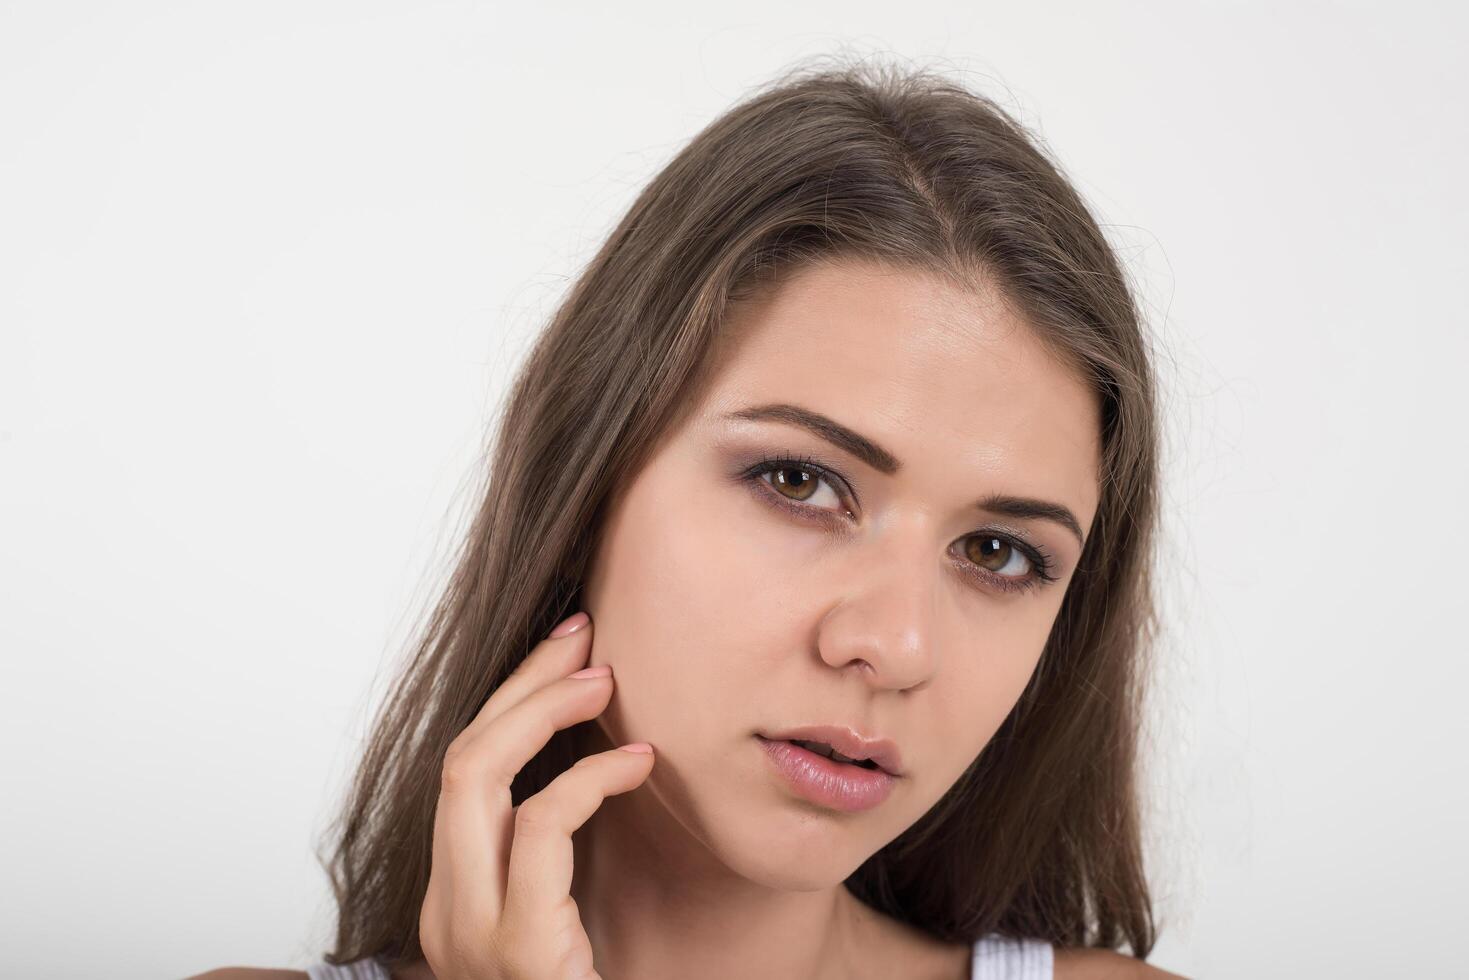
884 622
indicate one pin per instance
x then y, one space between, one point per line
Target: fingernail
640 747
571 624
602 670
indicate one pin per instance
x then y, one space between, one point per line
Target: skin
722 613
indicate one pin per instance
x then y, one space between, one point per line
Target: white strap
1002 958
364 969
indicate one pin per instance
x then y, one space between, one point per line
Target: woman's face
878 596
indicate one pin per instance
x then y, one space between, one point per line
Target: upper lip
849 742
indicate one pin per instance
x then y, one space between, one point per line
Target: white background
265 268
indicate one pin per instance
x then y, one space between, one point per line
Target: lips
882 752
832 785
827 752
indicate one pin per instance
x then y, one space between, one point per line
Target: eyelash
1041 563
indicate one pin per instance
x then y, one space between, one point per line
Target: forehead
942 376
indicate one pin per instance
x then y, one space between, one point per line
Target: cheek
992 661
687 602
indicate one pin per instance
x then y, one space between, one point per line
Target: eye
798 483
1003 559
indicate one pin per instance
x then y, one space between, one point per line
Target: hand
498 905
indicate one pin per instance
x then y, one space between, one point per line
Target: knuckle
535 815
457 775
464 769
456 749
529 812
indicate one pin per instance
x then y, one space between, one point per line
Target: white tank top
995 958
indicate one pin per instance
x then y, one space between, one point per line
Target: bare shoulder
250 973
1075 963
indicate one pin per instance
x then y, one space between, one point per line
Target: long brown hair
1041 836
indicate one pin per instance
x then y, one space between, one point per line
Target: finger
541 860
463 901
501 747
474 796
472 821
550 660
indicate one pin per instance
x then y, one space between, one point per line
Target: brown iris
804 485
989 552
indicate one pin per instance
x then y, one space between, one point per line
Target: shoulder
1077 963
249 973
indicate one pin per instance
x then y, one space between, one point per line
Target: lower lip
837 785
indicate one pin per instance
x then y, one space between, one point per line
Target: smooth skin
725 605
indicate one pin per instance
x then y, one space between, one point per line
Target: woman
837 470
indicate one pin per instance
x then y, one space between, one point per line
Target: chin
765 835
791 855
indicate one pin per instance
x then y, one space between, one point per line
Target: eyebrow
869 452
